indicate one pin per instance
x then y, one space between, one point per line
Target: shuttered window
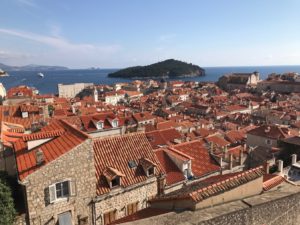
109 217
132 208
61 190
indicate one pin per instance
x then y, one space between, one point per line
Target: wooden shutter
129 209
109 217
52 193
134 208
72 187
106 219
112 216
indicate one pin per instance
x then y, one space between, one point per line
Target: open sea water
48 84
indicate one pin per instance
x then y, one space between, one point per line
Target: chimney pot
294 159
280 166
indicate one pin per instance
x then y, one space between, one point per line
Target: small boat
3 73
41 75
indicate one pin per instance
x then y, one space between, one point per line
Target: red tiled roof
220 142
163 137
42 135
166 125
143 116
202 163
173 174
271 181
24 90
235 136
211 186
26 160
116 152
270 131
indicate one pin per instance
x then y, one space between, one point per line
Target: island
166 69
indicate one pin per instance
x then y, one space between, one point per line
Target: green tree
7 208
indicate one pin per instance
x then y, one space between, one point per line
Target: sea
51 79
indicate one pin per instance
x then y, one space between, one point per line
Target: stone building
240 81
70 178
267 136
71 90
128 174
57 175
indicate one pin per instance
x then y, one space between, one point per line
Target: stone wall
280 206
253 140
76 165
118 200
281 87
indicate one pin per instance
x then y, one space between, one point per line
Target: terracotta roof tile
173 174
202 162
213 186
116 152
66 141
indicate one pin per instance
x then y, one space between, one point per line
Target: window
100 125
61 190
25 114
115 182
115 123
268 142
151 171
132 208
109 217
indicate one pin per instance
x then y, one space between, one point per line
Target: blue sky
121 33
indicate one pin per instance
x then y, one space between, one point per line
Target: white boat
41 75
3 73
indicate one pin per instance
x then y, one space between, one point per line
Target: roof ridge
185 143
119 136
75 130
260 168
178 152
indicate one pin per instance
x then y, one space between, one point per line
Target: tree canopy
7 208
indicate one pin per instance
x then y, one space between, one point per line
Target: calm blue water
48 84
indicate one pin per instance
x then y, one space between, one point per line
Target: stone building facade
119 200
71 90
75 166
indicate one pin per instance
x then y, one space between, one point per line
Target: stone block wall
118 201
76 165
280 206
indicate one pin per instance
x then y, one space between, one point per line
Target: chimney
294 159
230 161
267 167
161 184
280 166
73 109
39 156
241 157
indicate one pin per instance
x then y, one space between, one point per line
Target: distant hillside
31 68
167 68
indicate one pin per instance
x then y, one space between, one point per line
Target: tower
96 95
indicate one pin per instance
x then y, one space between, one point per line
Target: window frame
53 191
